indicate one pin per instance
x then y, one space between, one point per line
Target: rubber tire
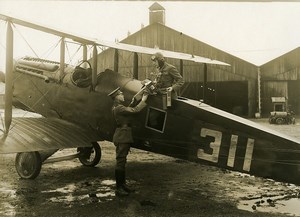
280 121
292 120
84 151
28 164
272 120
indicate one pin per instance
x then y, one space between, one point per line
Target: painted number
215 147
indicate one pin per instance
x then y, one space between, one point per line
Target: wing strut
62 58
135 65
205 83
94 72
84 55
116 60
8 77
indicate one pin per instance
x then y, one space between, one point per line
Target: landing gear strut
29 164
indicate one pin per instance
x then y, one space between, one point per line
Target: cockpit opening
82 77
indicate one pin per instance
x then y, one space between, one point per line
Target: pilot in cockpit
168 78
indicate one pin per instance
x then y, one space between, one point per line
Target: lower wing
36 134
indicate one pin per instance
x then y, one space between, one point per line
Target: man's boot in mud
120 191
125 186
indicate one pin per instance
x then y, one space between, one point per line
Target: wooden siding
230 96
281 77
272 89
286 67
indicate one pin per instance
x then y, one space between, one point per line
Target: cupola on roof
156 7
156 14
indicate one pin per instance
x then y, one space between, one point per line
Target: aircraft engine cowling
109 80
44 69
50 70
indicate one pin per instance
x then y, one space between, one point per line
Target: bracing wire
68 52
38 100
43 95
51 49
25 40
74 54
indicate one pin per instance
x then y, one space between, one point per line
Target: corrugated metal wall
281 77
169 39
286 67
272 89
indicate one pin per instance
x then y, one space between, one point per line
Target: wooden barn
281 78
230 88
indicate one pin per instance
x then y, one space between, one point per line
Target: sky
254 31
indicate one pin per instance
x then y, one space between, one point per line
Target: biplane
76 113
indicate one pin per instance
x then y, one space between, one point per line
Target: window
278 107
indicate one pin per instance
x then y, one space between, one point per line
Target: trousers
122 150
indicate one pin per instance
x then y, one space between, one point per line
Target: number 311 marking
215 146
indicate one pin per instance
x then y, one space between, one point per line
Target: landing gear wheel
90 156
28 164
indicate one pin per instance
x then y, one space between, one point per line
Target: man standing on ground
122 138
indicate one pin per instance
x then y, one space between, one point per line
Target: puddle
67 189
7 209
68 198
84 192
267 196
8 192
108 182
291 206
285 204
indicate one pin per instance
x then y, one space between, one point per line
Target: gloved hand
146 81
144 97
169 89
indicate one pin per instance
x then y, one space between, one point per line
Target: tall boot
120 191
125 186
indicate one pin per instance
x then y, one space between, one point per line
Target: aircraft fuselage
188 129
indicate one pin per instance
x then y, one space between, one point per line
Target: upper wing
122 46
166 53
35 134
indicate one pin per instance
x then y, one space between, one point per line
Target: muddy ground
165 187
